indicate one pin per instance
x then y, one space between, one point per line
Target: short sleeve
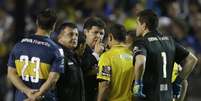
180 53
11 59
104 68
139 49
58 61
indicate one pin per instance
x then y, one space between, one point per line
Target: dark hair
46 19
94 21
64 25
81 39
118 31
60 28
131 33
150 18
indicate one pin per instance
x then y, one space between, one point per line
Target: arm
176 69
50 82
188 66
186 59
17 82
103 90
183 91
139 64
139 58
189 63
140 61
57 67
104 77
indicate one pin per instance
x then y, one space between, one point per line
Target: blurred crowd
181 18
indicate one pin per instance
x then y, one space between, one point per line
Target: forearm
50 82
188 66
139 67
103 90
183 90
139 72
16 81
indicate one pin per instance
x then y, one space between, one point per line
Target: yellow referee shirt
116 66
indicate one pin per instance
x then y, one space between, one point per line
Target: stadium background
181 18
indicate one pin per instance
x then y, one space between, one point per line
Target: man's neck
145 32
90 46
65 46
42 32
114 43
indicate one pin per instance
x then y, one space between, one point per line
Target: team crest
106 71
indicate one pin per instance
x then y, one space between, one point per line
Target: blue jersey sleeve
58 62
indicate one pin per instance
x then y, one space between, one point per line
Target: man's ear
144 26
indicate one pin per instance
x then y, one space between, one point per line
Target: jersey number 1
163 54
34 60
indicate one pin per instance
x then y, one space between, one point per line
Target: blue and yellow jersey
116 66
34 58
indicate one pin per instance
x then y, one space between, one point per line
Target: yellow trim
103 77
43 72
175 71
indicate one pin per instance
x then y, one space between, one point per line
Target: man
116 70
154 56
70 85
94 32
131 36
35 62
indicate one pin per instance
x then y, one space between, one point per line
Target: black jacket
89 66
70 86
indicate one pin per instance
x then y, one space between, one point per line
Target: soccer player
154 56
94 32
35 63
70 85
116 72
